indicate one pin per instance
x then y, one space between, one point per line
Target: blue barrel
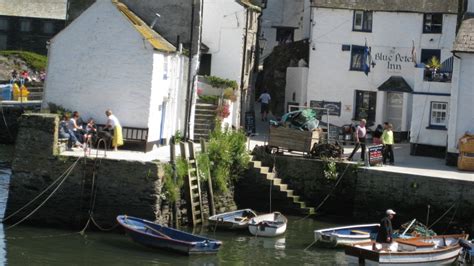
6 92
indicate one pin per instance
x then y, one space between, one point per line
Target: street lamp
262 42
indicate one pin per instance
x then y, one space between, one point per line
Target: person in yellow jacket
114 126
387 140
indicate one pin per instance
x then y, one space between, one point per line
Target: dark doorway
365 106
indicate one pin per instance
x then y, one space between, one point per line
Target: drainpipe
244 61
187 118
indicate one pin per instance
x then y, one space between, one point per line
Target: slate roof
419 6
48 9
396 84
154 38
465 38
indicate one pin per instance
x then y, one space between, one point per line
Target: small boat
271 224
436 250
232 220
345 235
157 236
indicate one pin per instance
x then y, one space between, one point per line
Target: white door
395 110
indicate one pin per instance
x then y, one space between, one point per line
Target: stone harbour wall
120 186
364 194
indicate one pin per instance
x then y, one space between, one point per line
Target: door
395 110
365 106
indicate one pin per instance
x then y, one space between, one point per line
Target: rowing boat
345 235
269 225
232 220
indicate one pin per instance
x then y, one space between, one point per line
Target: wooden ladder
193 185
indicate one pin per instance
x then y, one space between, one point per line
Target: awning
396 84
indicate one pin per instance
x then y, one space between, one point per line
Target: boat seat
358 232
415 243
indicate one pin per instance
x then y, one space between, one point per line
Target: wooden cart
293 139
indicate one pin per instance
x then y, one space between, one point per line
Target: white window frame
361 16
436 112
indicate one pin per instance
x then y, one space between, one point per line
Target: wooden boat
436 250
346 235
271 224
157 236
232 220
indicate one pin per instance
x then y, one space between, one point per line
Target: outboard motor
467 253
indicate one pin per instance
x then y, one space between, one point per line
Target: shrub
229 94
172 187
36 61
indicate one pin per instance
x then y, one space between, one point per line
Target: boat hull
268 225
236 220
156 236
340 236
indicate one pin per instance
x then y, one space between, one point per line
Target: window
357 58
25 25
48 27
3 24
439 114
248 64
365 106
285 35
427 54
362 21
433 23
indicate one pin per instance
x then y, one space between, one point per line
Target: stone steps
280 186
204 120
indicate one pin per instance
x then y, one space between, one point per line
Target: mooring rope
42 203
67 171
444 214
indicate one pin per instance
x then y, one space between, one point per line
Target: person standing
387 140
377 135
264 100
113 125
385 233
359 135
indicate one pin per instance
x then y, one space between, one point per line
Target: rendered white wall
296 78
329 78
100 61
462 100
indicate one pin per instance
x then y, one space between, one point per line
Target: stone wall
121 187
9 116
364 194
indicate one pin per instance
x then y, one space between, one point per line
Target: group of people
83 135
382 135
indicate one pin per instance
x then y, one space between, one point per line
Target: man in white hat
384 235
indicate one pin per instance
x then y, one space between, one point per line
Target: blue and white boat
346 235
157 236
232 220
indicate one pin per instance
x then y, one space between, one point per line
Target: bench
358 232
132 134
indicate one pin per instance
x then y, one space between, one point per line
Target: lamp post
262 43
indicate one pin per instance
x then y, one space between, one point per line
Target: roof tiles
465 37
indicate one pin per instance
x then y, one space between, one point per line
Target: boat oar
158 232
408 228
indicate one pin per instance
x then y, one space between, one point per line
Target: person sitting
75 128
90 133
65 133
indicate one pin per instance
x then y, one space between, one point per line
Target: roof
251 4
47 9
396 84
154 38
465 38
419 6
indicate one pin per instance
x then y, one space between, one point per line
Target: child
90 134
387 140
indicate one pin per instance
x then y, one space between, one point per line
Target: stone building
29 24
110 58
363 57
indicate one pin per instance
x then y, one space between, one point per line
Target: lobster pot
466 161
466 144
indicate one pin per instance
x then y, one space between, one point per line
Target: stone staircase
294 201
204 120
36 93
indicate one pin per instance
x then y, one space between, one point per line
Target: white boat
232 220
436 250
271 224
346 235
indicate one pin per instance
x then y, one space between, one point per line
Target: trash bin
6 92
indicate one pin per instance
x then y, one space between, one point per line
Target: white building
461 114
284 21
396 33
109 58
229 30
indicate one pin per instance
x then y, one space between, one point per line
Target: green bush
172 187
228 156
36 61
217 82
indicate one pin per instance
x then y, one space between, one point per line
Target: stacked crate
466 153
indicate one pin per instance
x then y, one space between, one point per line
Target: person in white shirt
359 137
113 125
264 100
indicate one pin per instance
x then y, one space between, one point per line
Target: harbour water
24 245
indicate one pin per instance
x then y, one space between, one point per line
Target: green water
24 245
